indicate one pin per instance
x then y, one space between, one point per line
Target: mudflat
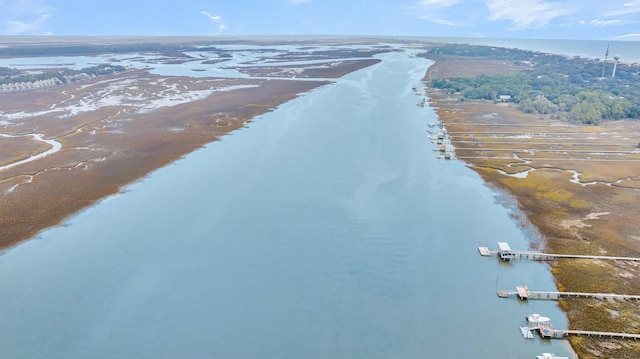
66 147
112 132
578 185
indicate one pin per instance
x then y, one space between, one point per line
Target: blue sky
554 19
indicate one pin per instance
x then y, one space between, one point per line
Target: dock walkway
546 331
565 333
540 256
524 293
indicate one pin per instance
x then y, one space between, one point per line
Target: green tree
565 102
526 106
618 108
586 112
543 106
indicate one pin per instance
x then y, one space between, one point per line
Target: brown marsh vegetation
578 185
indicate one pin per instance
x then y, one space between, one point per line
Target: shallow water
327 229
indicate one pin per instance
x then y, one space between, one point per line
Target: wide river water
327 229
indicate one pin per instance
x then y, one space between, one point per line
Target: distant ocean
629 51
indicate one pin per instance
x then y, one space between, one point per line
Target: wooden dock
546 331
560 334
540 256
524 293
486 252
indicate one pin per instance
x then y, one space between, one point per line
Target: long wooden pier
540 256
524 293
547 331
566 333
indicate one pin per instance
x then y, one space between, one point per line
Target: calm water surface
327 229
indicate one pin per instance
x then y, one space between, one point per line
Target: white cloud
626 9
217 19
17 27
602 23
441 21
447 22
629 36
23 17
437 11
524 14
212 17
442 3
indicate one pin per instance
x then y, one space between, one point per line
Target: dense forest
9 75
570 88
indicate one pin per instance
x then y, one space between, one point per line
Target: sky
521 19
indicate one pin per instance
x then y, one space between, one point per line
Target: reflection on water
327 229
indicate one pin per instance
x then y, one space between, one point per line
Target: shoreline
110 134
69 181
558 204
578 198
380 246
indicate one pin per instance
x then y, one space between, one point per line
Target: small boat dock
549 356
524 293
546 331
443 140
542 325
505 253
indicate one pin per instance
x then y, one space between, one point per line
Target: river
326 229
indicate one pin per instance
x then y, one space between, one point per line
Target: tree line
570 88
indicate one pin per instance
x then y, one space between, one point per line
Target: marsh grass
561 210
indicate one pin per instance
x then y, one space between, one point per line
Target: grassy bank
580 191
